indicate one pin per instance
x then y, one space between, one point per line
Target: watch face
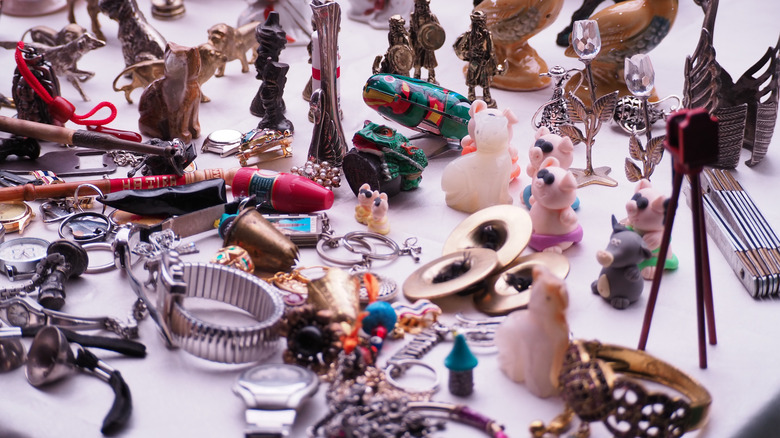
18 315
13 211
23 250
277 376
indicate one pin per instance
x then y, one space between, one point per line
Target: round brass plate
420 284
431 36
512 223
500 298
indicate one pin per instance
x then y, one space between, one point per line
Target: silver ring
361 236
91 186
333 242
398 368
99 246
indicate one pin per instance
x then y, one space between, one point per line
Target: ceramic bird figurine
627 28
512 23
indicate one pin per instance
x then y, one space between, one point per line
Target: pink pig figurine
555 225
548 145
646 211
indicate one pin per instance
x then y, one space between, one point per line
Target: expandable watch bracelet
175 281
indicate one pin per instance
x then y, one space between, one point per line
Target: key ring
362 236
333 242
397 368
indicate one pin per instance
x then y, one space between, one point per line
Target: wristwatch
21 313
272 393
15 216
174 281
19 257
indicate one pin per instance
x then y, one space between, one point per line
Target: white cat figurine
531 343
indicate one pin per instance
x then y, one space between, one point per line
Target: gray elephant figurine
620 281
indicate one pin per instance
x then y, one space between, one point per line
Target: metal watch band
222 343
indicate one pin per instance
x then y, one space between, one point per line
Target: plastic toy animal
555 225
481 179
378 220
169 106
620 281
547 145
646 212
468 146
140 41
234 43
531 344
365 199
145 72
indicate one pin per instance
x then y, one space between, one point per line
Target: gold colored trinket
271 251
511 289
264 145
234 256
503 228
450 274
338 291
15 216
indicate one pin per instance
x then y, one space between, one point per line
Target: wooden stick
31 192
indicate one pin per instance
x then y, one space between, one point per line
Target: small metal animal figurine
378 221
274 79
140 41
234 43
620 281
63 58
51 37
92 9
271 40
30 106
169 106
531 344
399 57
555 224
145 72
476 47
426 36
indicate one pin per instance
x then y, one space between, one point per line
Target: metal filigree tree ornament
640 79
586 41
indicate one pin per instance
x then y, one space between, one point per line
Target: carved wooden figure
169 106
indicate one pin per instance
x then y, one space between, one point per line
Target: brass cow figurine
234 43
145 72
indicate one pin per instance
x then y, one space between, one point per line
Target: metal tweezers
742 233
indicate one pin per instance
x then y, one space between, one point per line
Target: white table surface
176 394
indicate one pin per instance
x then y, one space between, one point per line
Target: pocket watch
19 257
15 216
272 393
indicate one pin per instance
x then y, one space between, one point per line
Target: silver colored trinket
555 111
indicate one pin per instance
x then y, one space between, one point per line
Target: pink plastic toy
555 225
365 199
547 145
481 179
646 211
531 344
378 221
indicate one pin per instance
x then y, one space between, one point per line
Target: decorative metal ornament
167 9
476 47
511 289
234 256
399 57
746 109
452 273
554 112
262 145
327 19
640 79
586 42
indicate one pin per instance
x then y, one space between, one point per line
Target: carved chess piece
512 23
274 79
272 40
